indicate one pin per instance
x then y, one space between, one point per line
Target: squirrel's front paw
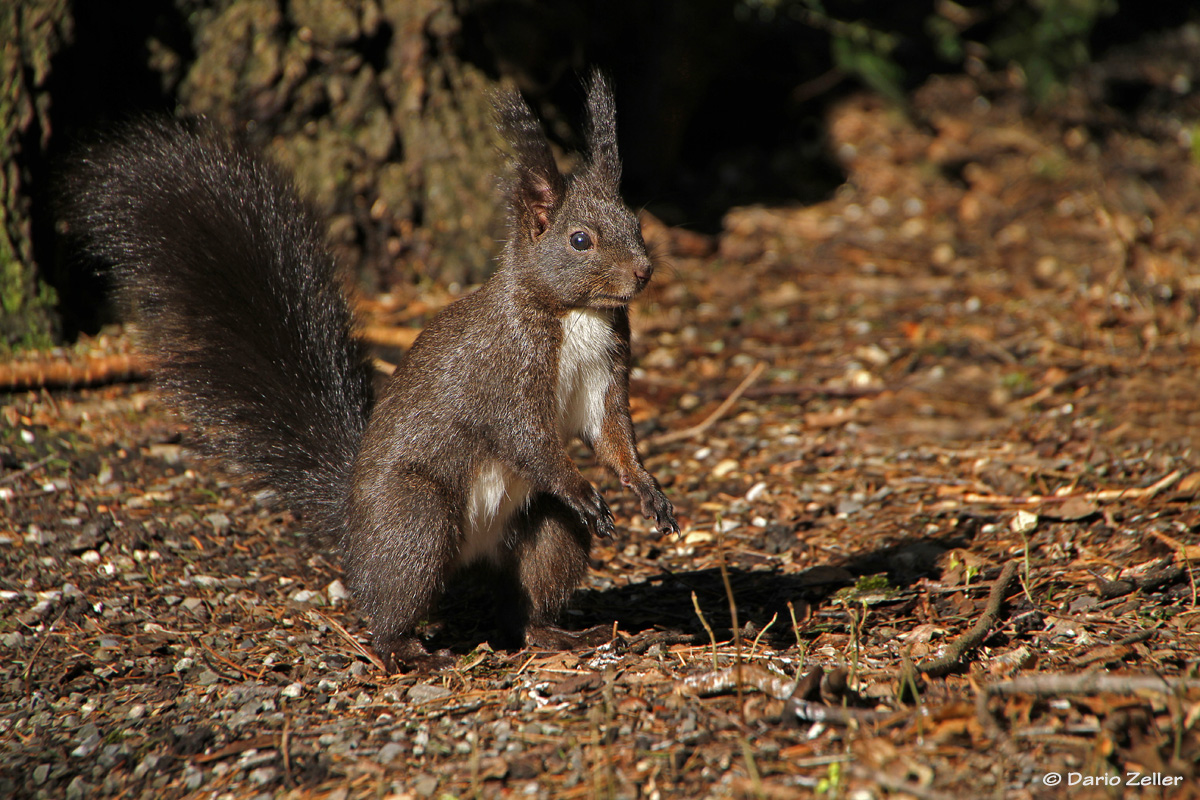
597 515
602 524
657 507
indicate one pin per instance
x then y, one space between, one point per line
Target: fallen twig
389 336
1054 684
1185 552
1116 650
1098 496
957 650
28 468
1146 582
895 784
354 643
33 657
780 688
258 676
261 742
711 419
73 371
791 389
70 372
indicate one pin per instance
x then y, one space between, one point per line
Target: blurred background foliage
1044 40
378 105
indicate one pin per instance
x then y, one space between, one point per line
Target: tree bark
31 32
366 103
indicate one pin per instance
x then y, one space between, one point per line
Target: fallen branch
258 676
1099 496
28 468
1186 552
389 336
1057 684
817 390
957 650
1116 650
895 784
69 373
781 688
354 643
261 742
1148 582
711 419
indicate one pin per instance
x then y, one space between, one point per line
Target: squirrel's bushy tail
240 302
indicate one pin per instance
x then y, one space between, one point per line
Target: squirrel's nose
643 268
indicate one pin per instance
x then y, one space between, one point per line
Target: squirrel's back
240 302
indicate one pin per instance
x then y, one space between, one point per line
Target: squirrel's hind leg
399 550
547 558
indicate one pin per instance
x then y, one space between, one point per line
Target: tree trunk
366 103
31 32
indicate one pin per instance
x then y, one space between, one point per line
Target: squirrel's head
573 239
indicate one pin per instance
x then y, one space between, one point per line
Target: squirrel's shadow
663 601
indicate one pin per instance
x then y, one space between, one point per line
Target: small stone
293 690
1024 522
724 467
425 785
111 755
425 693
756 491
219 521
193 777
942 254
263 775
146 766
36 536
337 593
89 740
308 597
847 507
208 678
390 752
78 789
94 534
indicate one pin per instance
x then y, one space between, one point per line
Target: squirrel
463 459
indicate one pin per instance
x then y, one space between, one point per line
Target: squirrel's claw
657 507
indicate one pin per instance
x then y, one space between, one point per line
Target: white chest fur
584 373
495 494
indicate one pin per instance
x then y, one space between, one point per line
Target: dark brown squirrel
464 457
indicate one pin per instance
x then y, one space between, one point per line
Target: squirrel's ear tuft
604 164
536 189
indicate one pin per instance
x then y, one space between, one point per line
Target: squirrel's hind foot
552 637
407 654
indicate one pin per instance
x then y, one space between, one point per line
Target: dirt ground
971 372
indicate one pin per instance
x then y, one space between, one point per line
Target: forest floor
971 372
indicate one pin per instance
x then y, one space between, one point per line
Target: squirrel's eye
581 241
